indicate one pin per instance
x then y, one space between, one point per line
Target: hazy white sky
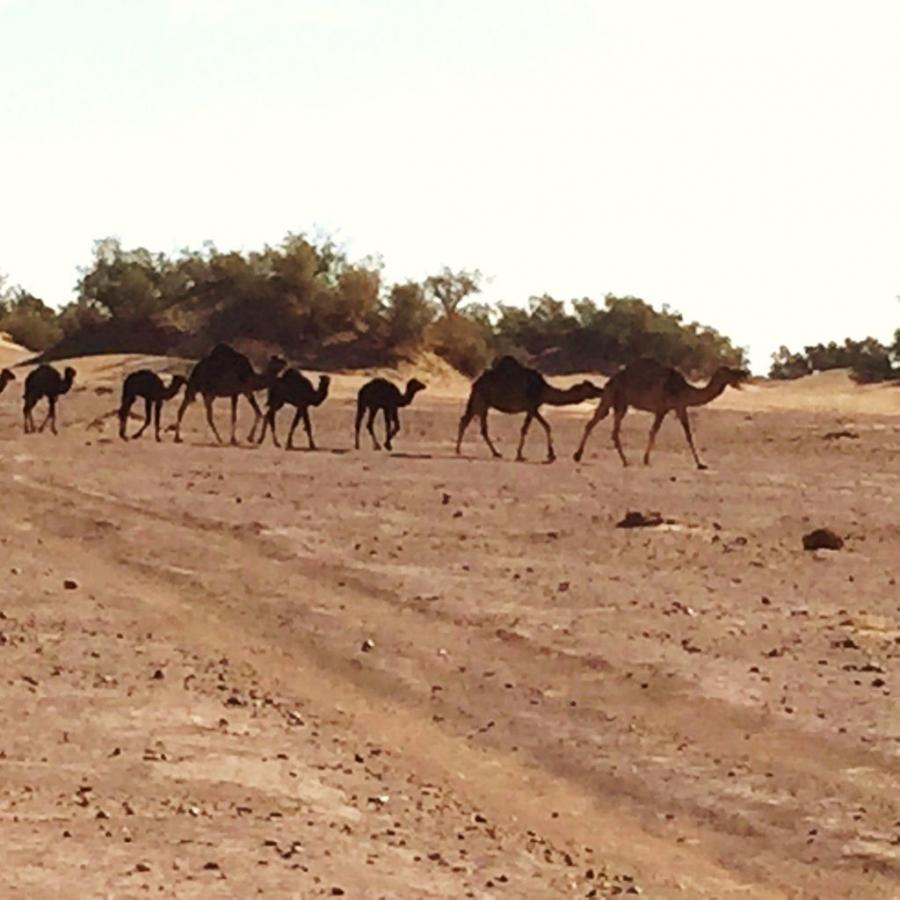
738 161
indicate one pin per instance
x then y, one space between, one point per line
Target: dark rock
636 519
822 539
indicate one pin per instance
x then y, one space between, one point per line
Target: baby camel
147 384
5 377
510 387
380 395
651 386
45 381
295 389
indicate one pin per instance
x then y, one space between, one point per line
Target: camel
380 395
296 389
653 387
510 387
227 373
45 381
147 384
5 377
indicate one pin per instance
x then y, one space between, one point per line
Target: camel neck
562 397
698 396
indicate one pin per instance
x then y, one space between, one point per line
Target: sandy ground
231 672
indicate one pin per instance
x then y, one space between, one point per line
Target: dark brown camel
227 373
45 381
295 389
510 387
148 385
5 377
653 387
380 395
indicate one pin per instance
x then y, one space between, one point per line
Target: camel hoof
702 467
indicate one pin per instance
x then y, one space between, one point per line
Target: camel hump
223 351
507 365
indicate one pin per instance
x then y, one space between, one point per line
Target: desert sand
232 672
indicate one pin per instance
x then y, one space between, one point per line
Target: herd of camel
507 386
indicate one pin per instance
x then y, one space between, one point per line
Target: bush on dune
319 308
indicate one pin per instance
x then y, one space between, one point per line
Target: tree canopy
305 298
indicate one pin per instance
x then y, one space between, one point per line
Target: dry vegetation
234 671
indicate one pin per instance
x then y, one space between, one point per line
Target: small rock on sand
822 539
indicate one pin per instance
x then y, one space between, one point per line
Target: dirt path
294 674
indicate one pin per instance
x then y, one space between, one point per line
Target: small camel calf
380 395
45 381
148 385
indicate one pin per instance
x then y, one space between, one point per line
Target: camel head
587 390
175 385
322 391
413 386
729 377
69 375
5 377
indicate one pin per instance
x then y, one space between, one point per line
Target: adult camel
510 387
227 373
648 385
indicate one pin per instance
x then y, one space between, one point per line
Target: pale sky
737 161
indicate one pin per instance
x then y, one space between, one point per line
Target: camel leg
298 414
269 422
395 424
387 429
654 428
487 438
525 426
185 403
208 403
600 413
463 425
308 426
686 425
360 415
157 415
370 427
27 419
234 400
147 411
551 455
43 424
124 409
257 416
50 417
618 415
